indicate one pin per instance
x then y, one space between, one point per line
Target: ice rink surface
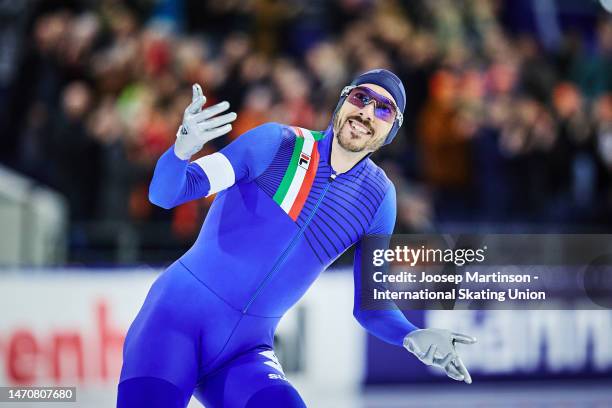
494 395
562 394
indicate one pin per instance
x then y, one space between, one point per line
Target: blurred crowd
500 126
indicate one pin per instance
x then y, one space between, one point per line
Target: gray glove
199 126
436 347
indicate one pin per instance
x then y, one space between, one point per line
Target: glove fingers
218 121
443 362
196 90
197 101
453 373
213 133
212 111
461 367
428 357
463 338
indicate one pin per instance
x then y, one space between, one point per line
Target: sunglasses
384 108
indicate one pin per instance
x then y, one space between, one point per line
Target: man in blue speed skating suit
289 202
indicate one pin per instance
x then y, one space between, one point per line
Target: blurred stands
509 117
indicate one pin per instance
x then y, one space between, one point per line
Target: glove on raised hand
201 125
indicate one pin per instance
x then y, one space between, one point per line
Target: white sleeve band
219 171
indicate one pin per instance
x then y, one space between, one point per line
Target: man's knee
150 392
276 396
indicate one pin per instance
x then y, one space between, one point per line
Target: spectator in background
602 115
444 138
526 138
255 110
75 153
591 69
294 104
571 158
116 170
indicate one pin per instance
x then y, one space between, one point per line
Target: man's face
357 129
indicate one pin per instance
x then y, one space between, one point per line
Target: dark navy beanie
391 83
387 80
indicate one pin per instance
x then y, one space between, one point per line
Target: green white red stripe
299 176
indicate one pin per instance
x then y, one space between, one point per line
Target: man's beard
345 139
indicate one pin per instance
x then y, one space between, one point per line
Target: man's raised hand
201 125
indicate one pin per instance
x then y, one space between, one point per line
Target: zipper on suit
281 259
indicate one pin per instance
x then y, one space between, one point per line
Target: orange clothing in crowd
444 147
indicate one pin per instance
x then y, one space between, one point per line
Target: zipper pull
332 177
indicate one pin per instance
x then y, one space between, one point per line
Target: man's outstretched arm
177 180
434 347
388 325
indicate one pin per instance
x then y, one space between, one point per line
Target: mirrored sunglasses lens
358 98
385 112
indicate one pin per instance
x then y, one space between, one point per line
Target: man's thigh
162 341
252 380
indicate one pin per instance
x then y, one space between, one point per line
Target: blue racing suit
280 217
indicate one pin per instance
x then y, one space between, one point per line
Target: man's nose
367 112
